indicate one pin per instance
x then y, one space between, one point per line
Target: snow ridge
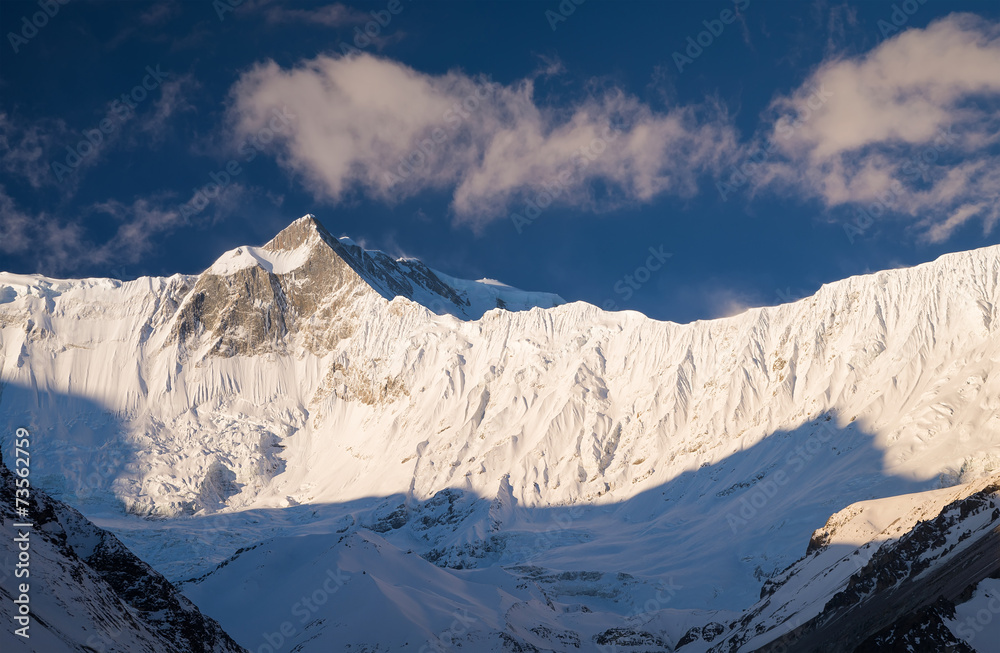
535 442
407 277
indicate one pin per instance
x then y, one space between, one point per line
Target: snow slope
85 591
282 391
331 598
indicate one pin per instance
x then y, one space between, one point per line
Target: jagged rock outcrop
305 280
896 590
87 591
925 629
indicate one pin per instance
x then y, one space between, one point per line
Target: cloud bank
373 125
909 128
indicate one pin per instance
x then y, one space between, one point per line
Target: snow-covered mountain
307 247
564 475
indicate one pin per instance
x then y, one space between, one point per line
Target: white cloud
941 231
910 127
368 124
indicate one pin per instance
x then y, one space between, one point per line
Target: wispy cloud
26 150
841 20
60 245
911 125
148 25
56 246
15 225
373 125
144 221
46 152
160 13
174 99
332 15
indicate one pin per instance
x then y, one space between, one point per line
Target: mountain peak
402 277
297 233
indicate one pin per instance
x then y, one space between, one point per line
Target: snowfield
481 465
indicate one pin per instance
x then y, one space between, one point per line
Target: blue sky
767 147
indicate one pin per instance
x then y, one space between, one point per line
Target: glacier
564 475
